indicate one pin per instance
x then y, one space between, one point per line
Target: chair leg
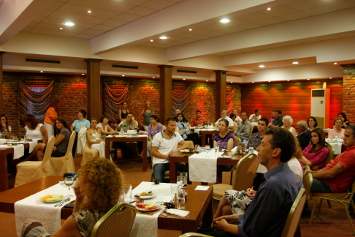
349 218
329 204
313 210
320 205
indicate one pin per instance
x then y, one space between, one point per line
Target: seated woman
316 153
337 131
97 190
60 145
153 128
5 129
224 139
235 124
287 120
344 119
93 137
104 127
312 123
34 129
184 130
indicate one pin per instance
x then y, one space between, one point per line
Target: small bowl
2 141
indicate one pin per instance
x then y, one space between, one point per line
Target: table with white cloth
17 151
336 144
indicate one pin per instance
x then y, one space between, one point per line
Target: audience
153 128
76 126
224 116
255 139
277 122
337 131
254 118
303 134
287 124
273 116
146 115
5 129
34 129
198 120
104 128
93 137
274 198
184 130
237 118
164 144
97 191
123 111
129 123
244 128
51 116
224 139
312 123
344 119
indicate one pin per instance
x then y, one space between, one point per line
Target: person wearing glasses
303 134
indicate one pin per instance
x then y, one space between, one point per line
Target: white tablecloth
203 168
336 144
197 130
147 225
19 150
45 213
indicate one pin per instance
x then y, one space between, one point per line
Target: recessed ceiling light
190 29
68 23
41 71
288 80
261 66
83 74
153 77
335 63
89 11
252 82
231 82
269 81
206 80
224 20
60 28
151 40
294 62
330 78
163 37
123 75
184 79
308 79
269 8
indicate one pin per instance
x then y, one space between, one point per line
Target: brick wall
349 93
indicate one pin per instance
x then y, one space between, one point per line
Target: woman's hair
124 102
29 118
232 116
315 121
225 121
103 117
287 117
65 124
7 125
101 182
83 112
153 116
344 116
183 118
337 118
321 137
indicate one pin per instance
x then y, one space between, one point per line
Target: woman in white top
93 137
287 124
34 129
337 131
5 129
104 128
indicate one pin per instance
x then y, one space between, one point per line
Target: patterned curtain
35 96
180 95
113 96
231 98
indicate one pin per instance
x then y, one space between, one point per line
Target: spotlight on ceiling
224 20
163 37
69 23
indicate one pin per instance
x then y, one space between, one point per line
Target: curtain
113 96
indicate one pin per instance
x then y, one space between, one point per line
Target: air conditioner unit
320 104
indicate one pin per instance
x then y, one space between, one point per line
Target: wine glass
180 180
208 148
68 180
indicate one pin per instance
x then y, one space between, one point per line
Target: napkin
19 150
178 212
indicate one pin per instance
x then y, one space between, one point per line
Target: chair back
236 140
251 130
190 144
245 172
307 180
70 145
116 222
46 166
81 140
330 154
294 215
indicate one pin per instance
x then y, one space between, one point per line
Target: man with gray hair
303 134
224 116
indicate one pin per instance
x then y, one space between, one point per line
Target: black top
278 122
304 139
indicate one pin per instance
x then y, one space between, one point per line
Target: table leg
107 149
208 216
203 140
145 158
172 172
3 171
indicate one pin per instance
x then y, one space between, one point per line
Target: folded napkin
19 150
45 213
203 168
178 212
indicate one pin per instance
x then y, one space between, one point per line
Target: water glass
207 147
251 150
181 198
127 193
184 175
180 180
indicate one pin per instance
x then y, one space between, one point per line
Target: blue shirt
267 213
78 124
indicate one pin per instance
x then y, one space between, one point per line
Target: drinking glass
180 180
173 191
68 181
208 148
127 193
184 175
181 198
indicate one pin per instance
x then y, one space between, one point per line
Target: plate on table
51 198
224 156
146 207
186 150
146 195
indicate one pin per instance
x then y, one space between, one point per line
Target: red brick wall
11 104
349 93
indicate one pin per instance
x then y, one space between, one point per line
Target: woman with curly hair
345 120
34 129
97 190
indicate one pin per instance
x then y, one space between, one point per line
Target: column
166 87
1 85
220 95
93 88
348 88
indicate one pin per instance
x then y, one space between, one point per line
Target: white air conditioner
320 103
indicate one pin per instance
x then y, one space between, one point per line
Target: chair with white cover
116 222
29 171
64 164
88 153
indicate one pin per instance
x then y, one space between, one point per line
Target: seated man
243 130
198 120
303 134
267 213
273 116
237 118
254 118
278 119
164 144
129 122
224 116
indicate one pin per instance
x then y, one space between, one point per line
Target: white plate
225 157
147 196
145 210
186 151
53 201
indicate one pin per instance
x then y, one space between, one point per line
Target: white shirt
35 133
165 145
255 120
230 121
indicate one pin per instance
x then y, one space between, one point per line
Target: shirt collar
275 170
163 135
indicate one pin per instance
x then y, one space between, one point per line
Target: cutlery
62 202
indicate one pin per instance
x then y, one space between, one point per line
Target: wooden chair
245 172
295 214
29 171
339 197
116 222
307 179
251 131
64 164
88 153
330 154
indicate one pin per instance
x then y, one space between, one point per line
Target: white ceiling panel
126 17
115 23
157 4
83 10
65 16
141 11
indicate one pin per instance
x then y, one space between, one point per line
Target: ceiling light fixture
184 79
60 28
153 77
288 80
231 82
294 62
224 20
68 23
190 29
269 81
308 79
41 71
89 11
335 63
252 82
123 75
269 8
163 37
261 65
206 80
83 74
151 40
330 78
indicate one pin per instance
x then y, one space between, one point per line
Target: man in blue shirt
76 126
267 213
